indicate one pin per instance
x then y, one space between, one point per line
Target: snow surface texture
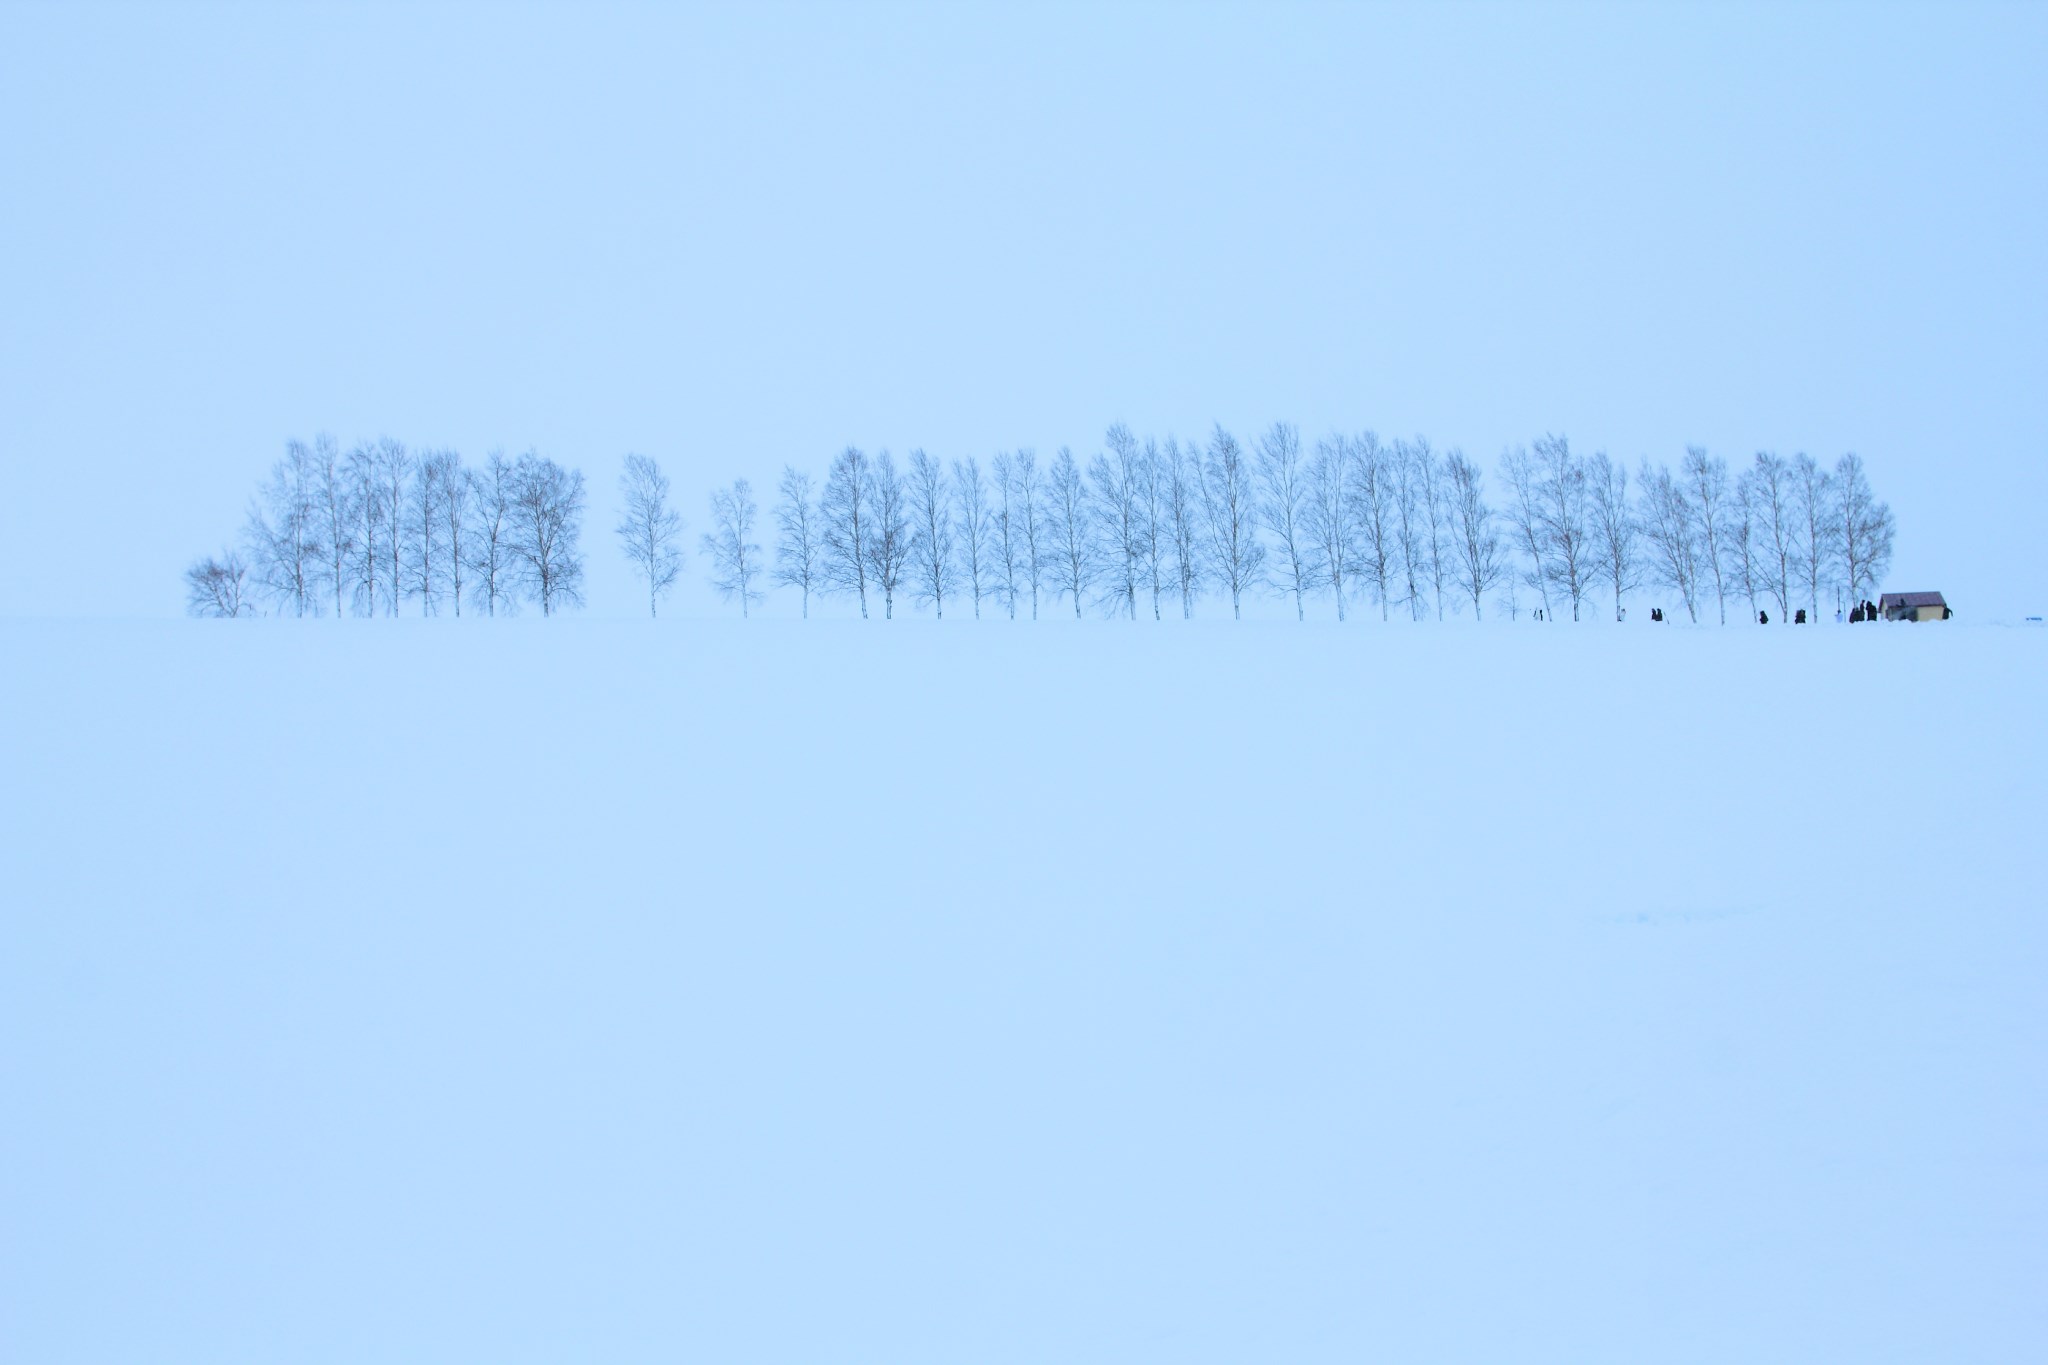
573 990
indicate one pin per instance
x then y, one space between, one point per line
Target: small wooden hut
1913 606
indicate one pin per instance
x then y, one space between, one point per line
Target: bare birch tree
889 538
735 560
1230 516
455 495
367 544
493 488
1614 526
1283 505
1744 540
1153 539
1326 514
547 530
283 534
1771 504
931 533
1477 541
393 475
335 513
1511 584
1008 534
1372 512
1564 500
1670 527
844 521
650 531
1706 481
1115 478
1028 500
1865 537
799 547
1183 478
1525 520
1067 515
1436 514
426 514
971 529
1815 523
1409 524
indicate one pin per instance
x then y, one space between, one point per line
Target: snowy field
559 990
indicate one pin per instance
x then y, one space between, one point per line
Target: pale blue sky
737 236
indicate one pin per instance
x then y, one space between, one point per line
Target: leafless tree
547 528
844 519
735 559
931 533
1115 479
1409 524
456 492
1511 584
1477 542
1670 526
366 546
1525 520
1372 512
652 531
1153 537
1326 514
1706 480
493 491
972 529
1565 502
1614 526
425 531
1283 505
283 534
1744 541
335 518
1815 524
889 542
1009 534
217 587
1865 536
799 544
1183 478
1028 503
1067 516
1436 511
1777 543
393 476
1229 516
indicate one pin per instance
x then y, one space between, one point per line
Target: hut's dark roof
1910 599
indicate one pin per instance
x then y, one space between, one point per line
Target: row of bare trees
369 530
1783 532
1151 525
1144 526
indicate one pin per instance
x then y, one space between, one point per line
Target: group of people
1864 611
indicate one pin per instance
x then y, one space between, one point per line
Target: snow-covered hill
547 990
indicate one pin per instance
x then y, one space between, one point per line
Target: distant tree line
1145 526
1156 527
